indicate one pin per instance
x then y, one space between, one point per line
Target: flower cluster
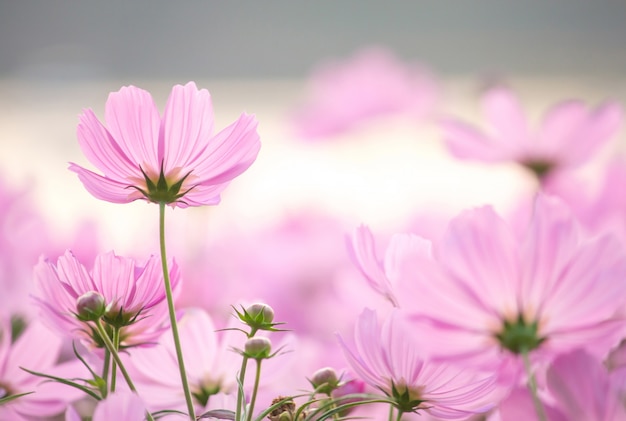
497 317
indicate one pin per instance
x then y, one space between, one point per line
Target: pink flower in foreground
175 159
133 293
492 296
584 390
370 84
120 406
36 349
389 358
569 135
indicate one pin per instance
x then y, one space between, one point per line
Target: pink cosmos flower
491 296
584 390
569 135
36 349
370 84
211 365
133 293
175 158
388 357
120 406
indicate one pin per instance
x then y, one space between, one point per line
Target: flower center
205 391
407 398
163 190
540 168
519 336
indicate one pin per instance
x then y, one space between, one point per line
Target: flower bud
261 312
325 380
258 348
90 306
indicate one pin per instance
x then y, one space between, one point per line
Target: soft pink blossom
211 365
133 293
584 390
120 406
389 358
370 84
36 349
562 287
175 158
570 134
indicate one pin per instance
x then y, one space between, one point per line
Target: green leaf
10 398
66 382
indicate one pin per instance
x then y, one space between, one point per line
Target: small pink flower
569 135
175 158
388 357
371 84
133 293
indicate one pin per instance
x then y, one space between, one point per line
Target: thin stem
399 418
116 344
242 377
116 358
257 378
172 312
390 412
532 387
105 372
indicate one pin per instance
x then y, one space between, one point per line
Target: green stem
242 377
399 418
105 372
116 358
532 387
172 312
116 344
257 378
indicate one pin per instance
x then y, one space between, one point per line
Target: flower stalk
532 387
172 314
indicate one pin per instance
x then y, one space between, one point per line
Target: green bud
261 312
325 380
258 348
90 306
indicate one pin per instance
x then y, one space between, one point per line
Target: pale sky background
59 56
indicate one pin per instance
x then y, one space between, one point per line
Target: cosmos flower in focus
133 294
175 158
570 134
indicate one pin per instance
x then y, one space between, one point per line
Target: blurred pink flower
133 293
119 406
174 159
491 296
569 135
211 364
584 390
370 84
389 358
36 349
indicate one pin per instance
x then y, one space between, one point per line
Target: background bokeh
58 57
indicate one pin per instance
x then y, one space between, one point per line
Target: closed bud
258 348
261 312
325 380
90 306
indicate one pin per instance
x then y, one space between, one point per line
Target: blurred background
58 57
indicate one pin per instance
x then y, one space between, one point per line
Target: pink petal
133 120
506 118
466 142
102 150
187 125
104 188
229 153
